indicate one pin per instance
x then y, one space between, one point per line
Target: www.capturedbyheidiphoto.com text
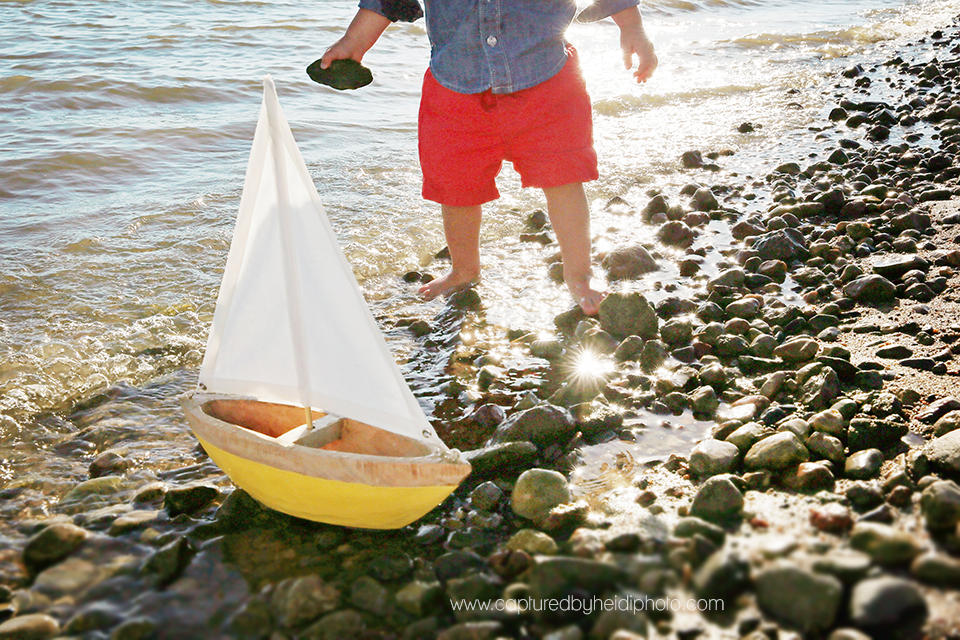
587 606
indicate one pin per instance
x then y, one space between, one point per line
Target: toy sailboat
299 400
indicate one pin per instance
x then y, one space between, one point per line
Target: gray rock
847 634
884 544
747 435
93 617
335 626
691 526
894 352
729 346
104 487
729 278
870 433
946 424
864 464
546 349
829 421
799 426
821 390
704 200
825 446
871 288
626 314
745 229
35 626
894 267
877 604
68 578
725 575
144 628
654 354
940 505
419 598
937 409
799 597
763 346
745 308
712 457
532 542
944 453
675 234
486 496
169 561
297 601
133 520
629 262
485 630
51 545
537 492
809 477
543 425
190 498
676 331
369 595
798 350
502 459
937 569
472 588
777 452
846 565
704 401
559 576
456 564
718 500
782 244
613 624
108 463
864 495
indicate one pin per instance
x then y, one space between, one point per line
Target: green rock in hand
341 74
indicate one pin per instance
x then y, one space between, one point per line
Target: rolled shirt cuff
395 10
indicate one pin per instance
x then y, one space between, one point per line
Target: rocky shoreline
823 503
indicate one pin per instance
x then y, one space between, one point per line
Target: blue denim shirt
502 45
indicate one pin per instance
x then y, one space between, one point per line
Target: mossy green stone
341 74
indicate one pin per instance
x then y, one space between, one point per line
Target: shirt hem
501 89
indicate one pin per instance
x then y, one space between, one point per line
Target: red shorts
546 131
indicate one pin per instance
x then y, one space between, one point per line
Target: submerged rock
51 545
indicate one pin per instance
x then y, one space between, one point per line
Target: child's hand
340 50
362 33
634 40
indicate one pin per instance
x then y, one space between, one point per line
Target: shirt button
492 41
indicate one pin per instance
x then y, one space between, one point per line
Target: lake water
124 135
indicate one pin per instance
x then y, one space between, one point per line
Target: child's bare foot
448 284
588 297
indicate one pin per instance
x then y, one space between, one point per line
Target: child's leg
461 226
570 217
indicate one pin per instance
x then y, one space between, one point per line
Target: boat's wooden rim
437 466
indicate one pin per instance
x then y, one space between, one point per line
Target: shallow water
125 130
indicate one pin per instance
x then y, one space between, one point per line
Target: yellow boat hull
351 475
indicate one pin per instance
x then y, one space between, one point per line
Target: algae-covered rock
341 74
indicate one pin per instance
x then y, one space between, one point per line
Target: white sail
291 324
